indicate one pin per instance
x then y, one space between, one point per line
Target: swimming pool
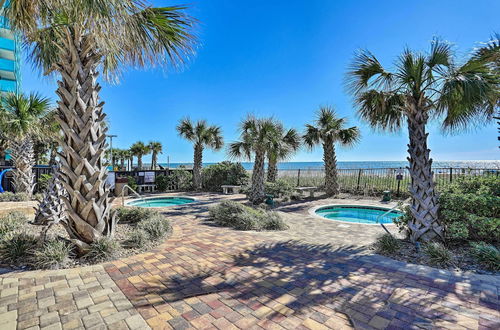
358 214
160 201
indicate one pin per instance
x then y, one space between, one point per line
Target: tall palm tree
203 136
76 40
329 130
129 156
139 149
24 118
256 137
284 145
420 86
156 148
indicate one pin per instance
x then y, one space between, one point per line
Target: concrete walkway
315 275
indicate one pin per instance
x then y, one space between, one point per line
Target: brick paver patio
206 277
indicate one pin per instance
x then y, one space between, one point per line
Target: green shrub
438 253
13 197
17 247
487 255
162 182
12 222
241 217
280 188
156 227
52 254
43 181
133 214
177 180
136 239
132 183
223 173
387 244
102 249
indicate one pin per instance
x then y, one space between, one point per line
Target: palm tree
329 130
421 85
129 156
156 148
76 40
23 119
203 136
139 149
256 137
285 144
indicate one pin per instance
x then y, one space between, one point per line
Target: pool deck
316 275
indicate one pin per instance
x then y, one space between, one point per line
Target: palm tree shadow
300 278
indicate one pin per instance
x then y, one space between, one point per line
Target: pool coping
127 203
312 212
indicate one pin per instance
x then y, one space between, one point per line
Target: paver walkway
207 277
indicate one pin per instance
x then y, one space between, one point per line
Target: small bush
438 253
13 197
487 255
241 217
280 188
156 227
132 183
162 182
12 222
43 181
17 248
133 214
387 244
52 254
223 173
136 239
102 249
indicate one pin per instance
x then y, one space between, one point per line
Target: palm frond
366 72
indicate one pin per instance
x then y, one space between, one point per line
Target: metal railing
132 190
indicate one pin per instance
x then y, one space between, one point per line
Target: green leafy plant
136 239
162 182
280 188
43 181
13 197
156 226
387 244
438 254
223 173
133 214
102 249
17 248
132 183
52 254
12 222
487 255
241 217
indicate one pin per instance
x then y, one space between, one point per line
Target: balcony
7 44
7 65
8 85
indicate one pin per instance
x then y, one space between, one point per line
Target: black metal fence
376 180
7 180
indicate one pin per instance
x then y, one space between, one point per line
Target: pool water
358 214
161 202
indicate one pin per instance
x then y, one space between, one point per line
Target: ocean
485 164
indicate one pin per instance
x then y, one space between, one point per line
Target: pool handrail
132 190
387 212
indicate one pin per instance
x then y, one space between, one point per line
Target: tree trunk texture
122 164
139 162
197 164
330 160
425 224
153 161
131 163
257 193
53 155
272 169
51 210
83 172
23 160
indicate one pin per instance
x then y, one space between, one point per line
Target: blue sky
285 59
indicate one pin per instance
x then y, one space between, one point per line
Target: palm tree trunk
153 160
122 163
272 169
83 172
131 163
23 160
198 162
424 207
51 210
53 154
139 162
330 160
257 193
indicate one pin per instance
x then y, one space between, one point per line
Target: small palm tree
22 119
156 148
421 85
285 144
329 130
256 138
75 40
139 149
203 136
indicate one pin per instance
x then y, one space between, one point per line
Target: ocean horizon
484 164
